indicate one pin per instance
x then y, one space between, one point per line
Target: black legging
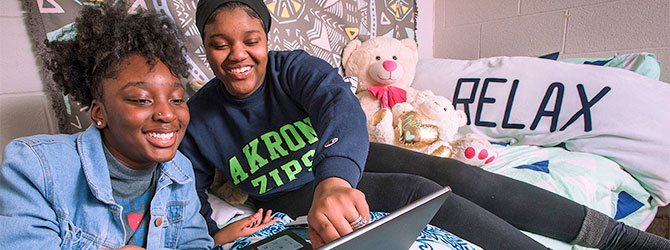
484 208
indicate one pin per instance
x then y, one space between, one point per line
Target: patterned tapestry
320 27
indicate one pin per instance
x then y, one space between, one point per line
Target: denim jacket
55 193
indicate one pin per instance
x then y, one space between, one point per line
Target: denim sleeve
204 176
194 230
27 218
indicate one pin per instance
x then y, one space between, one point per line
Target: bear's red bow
389 96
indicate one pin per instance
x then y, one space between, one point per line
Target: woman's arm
26 215
334 112
340 123
204 176
194 232
336 204
244 227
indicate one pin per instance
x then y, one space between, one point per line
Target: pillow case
645 64
532 101
552 56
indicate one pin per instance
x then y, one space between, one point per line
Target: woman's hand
244 227
336 204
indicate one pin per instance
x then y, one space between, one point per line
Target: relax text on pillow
524 100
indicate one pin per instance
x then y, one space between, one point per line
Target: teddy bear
226 190
385 68
430 124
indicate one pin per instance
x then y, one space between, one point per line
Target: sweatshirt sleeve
335 113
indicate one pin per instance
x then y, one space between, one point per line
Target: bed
595 159
606 149
589 132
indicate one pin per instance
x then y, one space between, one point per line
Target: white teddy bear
430 125
385 69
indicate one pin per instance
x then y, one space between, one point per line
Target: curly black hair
106 34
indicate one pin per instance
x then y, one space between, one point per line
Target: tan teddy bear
224 189
385 65
385 69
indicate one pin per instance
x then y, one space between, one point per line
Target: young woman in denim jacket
121 183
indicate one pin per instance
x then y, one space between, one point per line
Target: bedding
589 179
606 111
644 64
431 237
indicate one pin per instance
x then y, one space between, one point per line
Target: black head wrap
207 7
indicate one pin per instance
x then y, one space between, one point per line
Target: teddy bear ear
409 43
348 50
196 84
423 95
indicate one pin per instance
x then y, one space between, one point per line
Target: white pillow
603 110
223 212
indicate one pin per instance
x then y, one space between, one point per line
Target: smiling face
143 113
237 51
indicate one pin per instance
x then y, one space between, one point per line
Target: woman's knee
395 183
419 185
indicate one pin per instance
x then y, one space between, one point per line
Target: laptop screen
398 230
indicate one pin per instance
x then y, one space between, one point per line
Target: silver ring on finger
359 222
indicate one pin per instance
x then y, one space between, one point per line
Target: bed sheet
588 179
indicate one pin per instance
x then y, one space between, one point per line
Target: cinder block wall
24 107
471 29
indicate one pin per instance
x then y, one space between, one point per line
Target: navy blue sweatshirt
302 124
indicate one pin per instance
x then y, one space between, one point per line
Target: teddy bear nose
390 66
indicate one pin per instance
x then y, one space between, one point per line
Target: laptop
398 230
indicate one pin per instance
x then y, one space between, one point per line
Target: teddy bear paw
474 150
380 127
443 150
380 117
483 155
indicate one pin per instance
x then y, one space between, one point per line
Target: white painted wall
471 29
425 27
24 105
